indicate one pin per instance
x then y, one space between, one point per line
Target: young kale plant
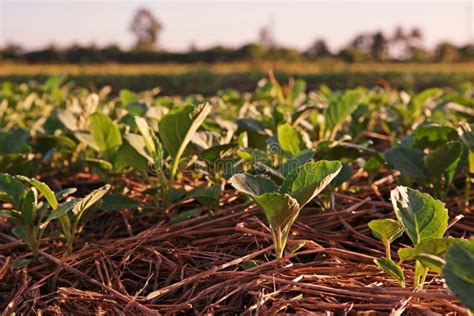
70 214
434 170
425 221
175 131
31 216
282 204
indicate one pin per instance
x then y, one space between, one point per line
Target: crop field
206 79
284 197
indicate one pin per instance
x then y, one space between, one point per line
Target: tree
379 47
446 52
318 49
146 29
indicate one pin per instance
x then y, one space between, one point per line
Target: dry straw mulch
197 266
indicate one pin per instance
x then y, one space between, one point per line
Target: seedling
435 171
425 220
32 217
282 204
26 213
176 130
387 230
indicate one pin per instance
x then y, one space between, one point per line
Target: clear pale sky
34 24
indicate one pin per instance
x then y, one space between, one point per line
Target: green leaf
127 97
105 133
459 271
434 246
295 162
138 143
128 156
408 160
90 199
10 214
178 126
248 264
433 135
252 185
195 212
118 202
280 209
386 229
289 139
441 158
28 207
22 233
207 196
44 189
147 137
99 163
340 109
307 181
68 119
11 190
87 139
421 216
389 266
63 209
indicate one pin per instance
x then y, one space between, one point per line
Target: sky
34 23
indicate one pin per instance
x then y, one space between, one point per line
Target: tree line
403 45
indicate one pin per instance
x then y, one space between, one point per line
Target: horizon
209 24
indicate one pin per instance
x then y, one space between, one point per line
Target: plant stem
387 249
420 275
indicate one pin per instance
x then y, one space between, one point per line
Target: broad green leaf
421 216
248 264
11 190
307 181
432 262
118 202
207 196
459 271
289 139
434 246
386 229
345 174
442 157
341 108
68 119
138 143
280 209
195 212
389 266
252 185
178 126
105 133
408 160
127 97
44 189
295 162
128 156
433 135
